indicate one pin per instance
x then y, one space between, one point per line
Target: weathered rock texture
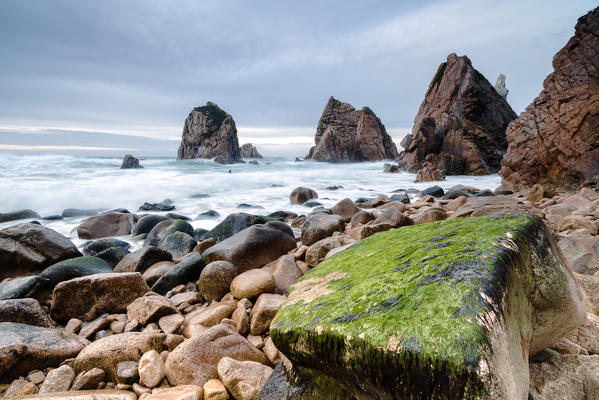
346 134
209 132
444 310
248 150
130 162
460 125
555 141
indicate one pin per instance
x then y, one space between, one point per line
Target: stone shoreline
189 314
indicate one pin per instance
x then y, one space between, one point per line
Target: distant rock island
248 150
209 132
460 126
345 134
130 162
555 141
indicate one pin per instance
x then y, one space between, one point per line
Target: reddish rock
105 225
195 360
460 124
90 296
346 134
555 141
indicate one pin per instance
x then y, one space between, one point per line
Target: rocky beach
463 264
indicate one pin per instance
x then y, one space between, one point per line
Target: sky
111 76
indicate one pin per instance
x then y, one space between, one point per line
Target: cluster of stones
189 313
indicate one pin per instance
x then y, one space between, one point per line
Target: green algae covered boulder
444 310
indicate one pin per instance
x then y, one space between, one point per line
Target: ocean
48 184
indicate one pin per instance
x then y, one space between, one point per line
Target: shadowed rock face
555 141
209 132
248 150
444 310
460 126
345 134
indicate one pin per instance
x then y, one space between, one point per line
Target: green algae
412 302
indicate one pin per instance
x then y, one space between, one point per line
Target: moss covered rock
444 310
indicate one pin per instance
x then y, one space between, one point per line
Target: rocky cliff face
209 132
345 134
555 141
248 150
460 125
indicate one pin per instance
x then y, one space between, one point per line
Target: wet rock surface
326 308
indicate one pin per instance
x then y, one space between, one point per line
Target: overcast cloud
123 74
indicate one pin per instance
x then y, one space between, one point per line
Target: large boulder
301 194
253 247
88 297
20 288
163 229
447 309
209 132
108 352
147 222
24 311
142 259
74 268
346 134
320 226
187 270
555 141
29 248
24 348
248 150
195 361
105 225
460 126
17 215
565 377
233 224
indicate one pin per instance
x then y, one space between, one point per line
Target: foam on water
50 183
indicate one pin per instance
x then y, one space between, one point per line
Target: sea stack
209 132
130 162
555 141
460 126
345 134
248 150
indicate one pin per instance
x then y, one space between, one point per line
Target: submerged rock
555 141
460 126
253 247
130 162
346 134
446 310
16 215
209 132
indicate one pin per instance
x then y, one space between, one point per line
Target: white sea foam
48 184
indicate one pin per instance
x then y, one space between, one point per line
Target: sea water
48 184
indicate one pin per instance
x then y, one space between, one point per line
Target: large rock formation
248 150
209 132
460 126
346 134
443 310
555 141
